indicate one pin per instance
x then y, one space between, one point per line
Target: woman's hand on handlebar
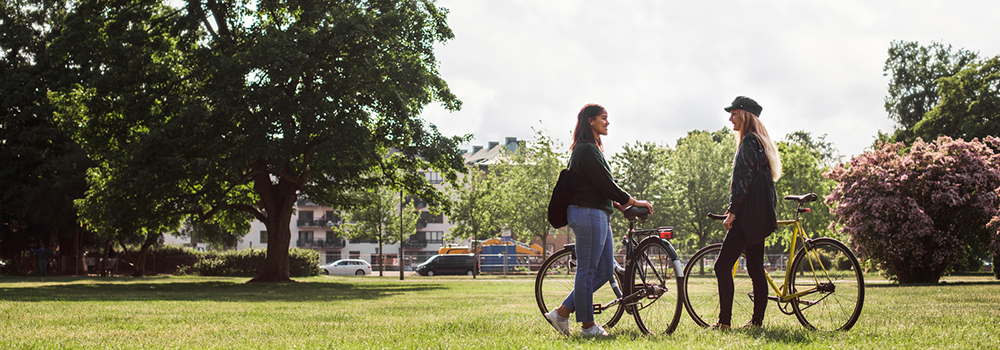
730 217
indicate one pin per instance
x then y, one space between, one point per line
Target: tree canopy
44 169
222 106
935 91
968 105
698 170
526 177
913 71
804 160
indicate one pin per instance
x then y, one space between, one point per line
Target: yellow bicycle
824 286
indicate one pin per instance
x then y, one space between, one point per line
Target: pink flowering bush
916 213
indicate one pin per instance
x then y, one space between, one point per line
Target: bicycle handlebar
716 216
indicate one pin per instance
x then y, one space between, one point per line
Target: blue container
492 262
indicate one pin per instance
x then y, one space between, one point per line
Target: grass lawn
441 312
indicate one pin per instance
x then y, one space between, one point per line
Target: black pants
735 244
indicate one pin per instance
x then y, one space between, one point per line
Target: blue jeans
594 258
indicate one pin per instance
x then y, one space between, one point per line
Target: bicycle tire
838 304
661 308
556 279
701 288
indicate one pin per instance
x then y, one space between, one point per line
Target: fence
519 264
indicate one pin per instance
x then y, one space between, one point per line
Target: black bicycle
649 287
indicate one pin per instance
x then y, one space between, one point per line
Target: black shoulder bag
560 200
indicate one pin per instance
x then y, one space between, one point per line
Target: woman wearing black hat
750 217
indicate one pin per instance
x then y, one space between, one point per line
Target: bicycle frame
630 244
783 292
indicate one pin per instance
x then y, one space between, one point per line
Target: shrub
174 259
303 262
916 213
248 262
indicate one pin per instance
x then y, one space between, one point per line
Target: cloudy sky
663 68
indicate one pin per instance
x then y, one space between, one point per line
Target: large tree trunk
278 200
140 265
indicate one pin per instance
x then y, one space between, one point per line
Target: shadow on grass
782 335
153 288
939 284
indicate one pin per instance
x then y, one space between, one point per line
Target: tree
913 88
916 213
477 210
221 232
42 166
641 171
968 106
804 160
377 216
525 181
247 106
699 170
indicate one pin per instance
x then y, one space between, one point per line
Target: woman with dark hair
750 217
595 195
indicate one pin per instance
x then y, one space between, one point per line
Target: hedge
247 262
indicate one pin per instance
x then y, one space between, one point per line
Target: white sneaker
560 323
595 331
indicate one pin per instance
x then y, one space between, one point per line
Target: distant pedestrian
43 258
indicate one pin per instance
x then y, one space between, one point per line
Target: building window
306 215
263 237
332 256
429 218
306 236
354 254
433 177
434 236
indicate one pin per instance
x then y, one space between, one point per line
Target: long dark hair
583 132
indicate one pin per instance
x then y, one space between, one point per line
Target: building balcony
414 243
305 203
317 223
320 243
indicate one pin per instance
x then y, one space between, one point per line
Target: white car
347 267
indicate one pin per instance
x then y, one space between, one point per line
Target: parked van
448 264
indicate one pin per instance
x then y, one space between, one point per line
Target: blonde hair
752 125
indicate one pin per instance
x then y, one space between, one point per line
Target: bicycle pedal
597 308
769 297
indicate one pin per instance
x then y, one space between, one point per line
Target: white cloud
663 68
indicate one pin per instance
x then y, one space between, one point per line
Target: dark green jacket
593 186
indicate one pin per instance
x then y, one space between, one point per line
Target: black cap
746 104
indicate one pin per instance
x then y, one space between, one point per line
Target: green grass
441 312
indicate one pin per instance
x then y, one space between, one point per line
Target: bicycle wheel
652 275
701 288
832 270
555 280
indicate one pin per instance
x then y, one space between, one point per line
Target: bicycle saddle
805 198
632 213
